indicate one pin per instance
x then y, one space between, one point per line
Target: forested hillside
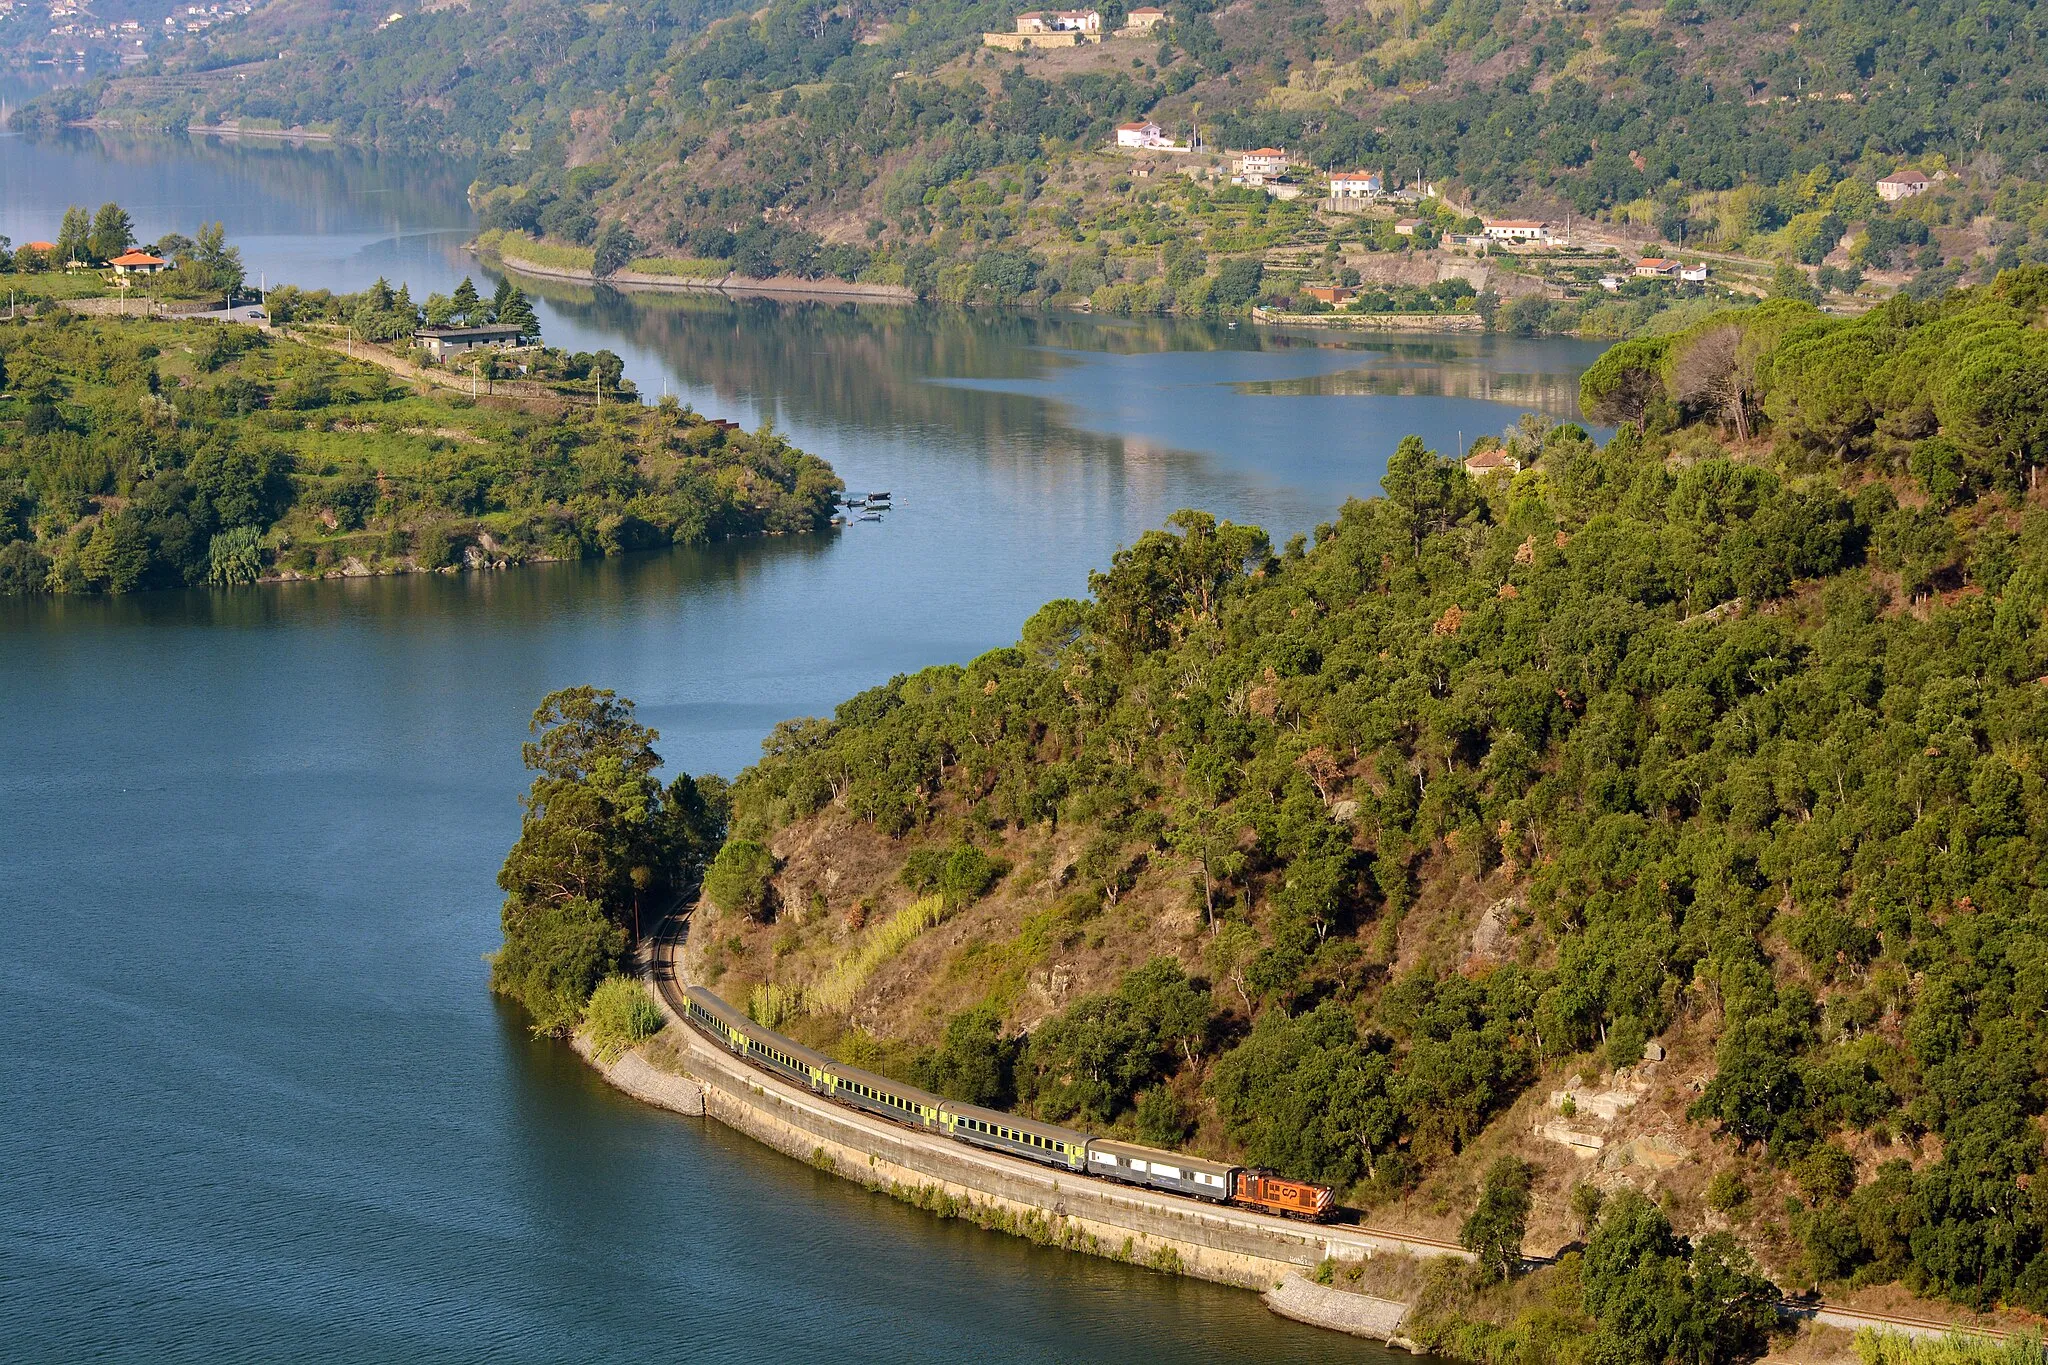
1726 734
880 141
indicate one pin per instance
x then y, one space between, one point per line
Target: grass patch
1876 1346
554 255
689 267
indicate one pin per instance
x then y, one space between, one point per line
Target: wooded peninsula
1684 789
140 453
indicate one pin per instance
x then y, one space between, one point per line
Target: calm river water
258 1102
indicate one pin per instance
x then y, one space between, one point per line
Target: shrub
620 1015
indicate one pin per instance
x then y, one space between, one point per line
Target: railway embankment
682 1071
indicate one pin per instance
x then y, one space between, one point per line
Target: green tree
113 232
614 249
1620 387
217 266
515 311
466 303
975 1061
739 882
74 237
600 843
1493 1231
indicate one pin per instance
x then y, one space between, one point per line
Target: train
1048 1144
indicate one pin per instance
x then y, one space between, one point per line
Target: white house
1693 274
1256 167
1902 185
1517 230
1356 185
138 263
1142 134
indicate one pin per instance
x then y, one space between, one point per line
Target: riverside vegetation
1727 732
141 454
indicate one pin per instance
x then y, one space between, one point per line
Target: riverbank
1373 322
732 283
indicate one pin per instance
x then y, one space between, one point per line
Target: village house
138 263
1060 21
1356 186
1142 21
1049 28
1142 134
1332 294
1693 274
1902 185
1517 230
1491 460
1405 227
444 342
1656 268
1257 167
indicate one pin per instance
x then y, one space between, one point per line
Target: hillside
883 142
1669 813
138 454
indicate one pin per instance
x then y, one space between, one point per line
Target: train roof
871 1080
1152 1154
997 1116
732 1018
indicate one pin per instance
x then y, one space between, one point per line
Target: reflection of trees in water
862 369
317 177
1555 395
534 595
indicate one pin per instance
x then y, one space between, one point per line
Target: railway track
668 984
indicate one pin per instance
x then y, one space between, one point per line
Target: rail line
669 986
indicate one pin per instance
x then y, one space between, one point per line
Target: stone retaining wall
1362 1315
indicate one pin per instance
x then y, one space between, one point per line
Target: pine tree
502 297
515 311
466 303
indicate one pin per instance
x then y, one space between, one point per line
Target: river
259 1104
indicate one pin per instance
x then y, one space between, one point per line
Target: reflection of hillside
535 596
1554 394
856 368
333 188
1067 421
